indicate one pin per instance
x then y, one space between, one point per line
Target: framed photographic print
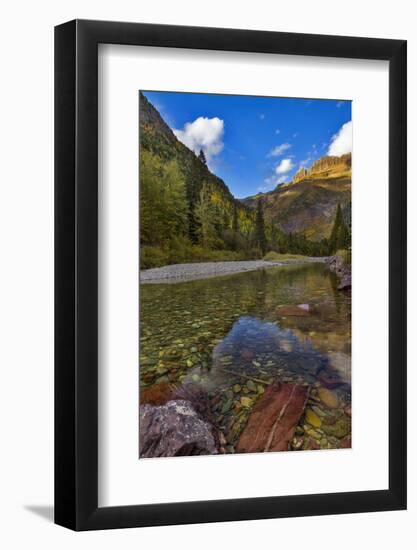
230 275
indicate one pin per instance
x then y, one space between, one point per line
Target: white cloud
277 131
204 133
284 166
279 150
341 142
262 116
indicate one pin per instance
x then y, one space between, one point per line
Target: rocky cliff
326 167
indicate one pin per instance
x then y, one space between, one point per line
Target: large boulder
336 264
343 271
175 429
345 280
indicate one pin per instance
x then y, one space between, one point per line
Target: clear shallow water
236 334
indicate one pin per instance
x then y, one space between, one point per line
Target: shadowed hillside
308 204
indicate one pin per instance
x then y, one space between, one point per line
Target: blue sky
257 143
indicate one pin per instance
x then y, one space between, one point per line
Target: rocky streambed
253 362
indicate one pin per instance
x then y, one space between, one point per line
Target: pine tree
202 157
260 228
343 237
195 182
340 235
338 220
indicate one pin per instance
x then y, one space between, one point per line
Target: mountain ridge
308 203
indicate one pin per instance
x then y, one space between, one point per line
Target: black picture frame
76 272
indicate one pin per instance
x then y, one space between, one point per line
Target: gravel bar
176 273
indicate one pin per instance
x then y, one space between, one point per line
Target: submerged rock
302 310
330 379
246 401
346 442
247 355
158 394
312 418
340 428
329 398
346 280
271 425
175 429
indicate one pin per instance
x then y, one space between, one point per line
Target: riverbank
343 269
175 273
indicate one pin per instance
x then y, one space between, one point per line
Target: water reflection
234 335
254 347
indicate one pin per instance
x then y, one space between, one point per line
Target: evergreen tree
260 236
274 237
338 220
195 182
340 235
206 217
202 157
343 237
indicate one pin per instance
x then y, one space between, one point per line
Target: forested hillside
188 214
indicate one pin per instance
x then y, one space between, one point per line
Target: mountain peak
326 167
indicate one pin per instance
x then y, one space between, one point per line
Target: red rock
293 311
158 394
346 442
247 354
274 418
